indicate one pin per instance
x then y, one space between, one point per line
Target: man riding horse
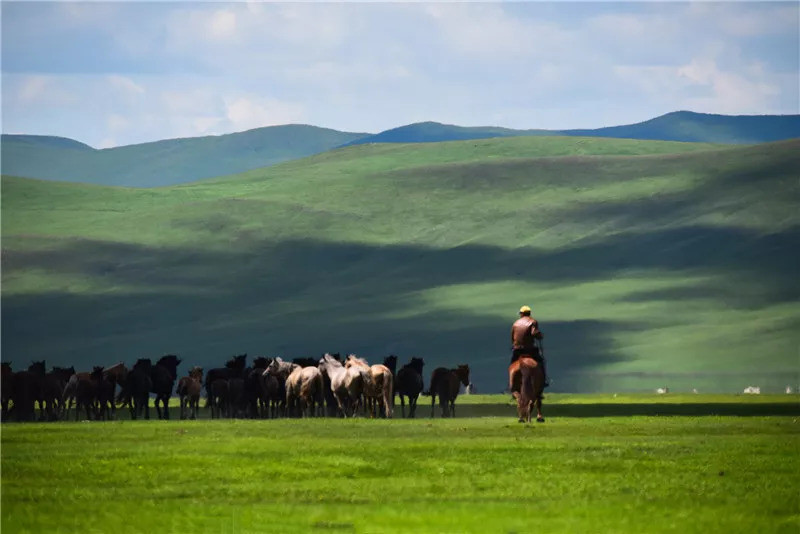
524 332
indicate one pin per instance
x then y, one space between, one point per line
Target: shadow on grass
699 409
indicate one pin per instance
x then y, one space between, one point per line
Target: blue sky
116 73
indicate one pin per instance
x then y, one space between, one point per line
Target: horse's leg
539 416
433 402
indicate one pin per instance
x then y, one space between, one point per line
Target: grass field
727 464
648 264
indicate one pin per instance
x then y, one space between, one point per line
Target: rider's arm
537 334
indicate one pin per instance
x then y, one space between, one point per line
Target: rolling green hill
175 161
647 263
164 162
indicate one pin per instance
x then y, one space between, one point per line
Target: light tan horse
378 389
188 390
304 387
526 383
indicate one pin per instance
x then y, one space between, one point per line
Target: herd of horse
269 388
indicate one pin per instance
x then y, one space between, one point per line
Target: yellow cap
525 309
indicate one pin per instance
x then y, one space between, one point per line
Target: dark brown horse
526 383
188 390
446 383
409 384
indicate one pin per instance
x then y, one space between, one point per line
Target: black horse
254 396
446 383
138 384
408 383
163 376
52 390
233 368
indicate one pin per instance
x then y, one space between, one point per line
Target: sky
119 73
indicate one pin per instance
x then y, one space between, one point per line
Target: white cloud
33 88
222 24
125 85
247 112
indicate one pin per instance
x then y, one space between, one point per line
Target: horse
104 394
188 390
445 383
273 393
116 374
6 387
52 390
409 384
218 398
304 390
331 403
281 370
25 391
38 371
334 374
233 368
526 383
163 376
86 393
254 397
377 384
138 384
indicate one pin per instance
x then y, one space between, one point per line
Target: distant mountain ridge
686 126
166 162
175 161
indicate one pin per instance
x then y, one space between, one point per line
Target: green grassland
623 466
647 263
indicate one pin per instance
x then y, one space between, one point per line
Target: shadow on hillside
302 298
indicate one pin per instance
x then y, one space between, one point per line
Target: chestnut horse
526 382
445 383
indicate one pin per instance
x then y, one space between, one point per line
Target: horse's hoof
521 420
540 419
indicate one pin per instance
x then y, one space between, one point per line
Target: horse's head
260 362
97 372
63 373
237 362
37 368
329 361
390 362
463 374
196 372
143 364
353 360
417 364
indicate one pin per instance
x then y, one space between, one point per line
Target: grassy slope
606 474
647 263
165 162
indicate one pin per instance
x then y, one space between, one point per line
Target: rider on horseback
523 333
